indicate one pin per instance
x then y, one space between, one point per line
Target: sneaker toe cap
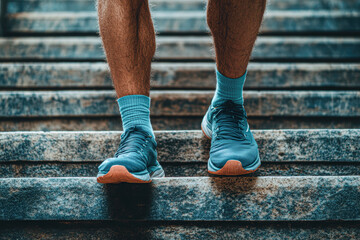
131 163
246 154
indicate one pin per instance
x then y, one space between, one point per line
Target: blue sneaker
233 148
135 160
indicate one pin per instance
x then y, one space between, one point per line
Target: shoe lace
230 120
133 140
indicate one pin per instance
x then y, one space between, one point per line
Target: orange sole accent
232 168
119 174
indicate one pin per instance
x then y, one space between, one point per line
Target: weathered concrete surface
186 21
182 75
243 198
179 103
175 47
183 169
181 146
175 5
170 123
184 230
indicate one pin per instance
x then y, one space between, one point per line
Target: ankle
135 111
228 89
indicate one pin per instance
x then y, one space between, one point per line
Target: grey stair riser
170 123
175 5
184 21
181 75
181 146
90 169
182 48
184 230
179 103
177 199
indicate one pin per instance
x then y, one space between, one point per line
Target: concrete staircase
59 120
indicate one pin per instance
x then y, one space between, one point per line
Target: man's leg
234 25
128 37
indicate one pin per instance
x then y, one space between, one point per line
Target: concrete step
20 169
15 6
182 154
88 103
275 146
186 21
181 76
183 48
73 230
310 198
113 123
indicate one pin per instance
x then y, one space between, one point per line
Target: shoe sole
119 174
235 168
231 167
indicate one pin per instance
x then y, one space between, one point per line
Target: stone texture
182 48
175 5
182 75
181 146
15 6
174 199
186 21
2 17
184 230
170 123
179 103
260 206
182 169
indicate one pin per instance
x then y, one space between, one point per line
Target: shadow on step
173 198
131 200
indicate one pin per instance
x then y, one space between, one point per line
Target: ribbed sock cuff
229 88
135 111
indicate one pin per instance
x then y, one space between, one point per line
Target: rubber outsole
232 168
119 174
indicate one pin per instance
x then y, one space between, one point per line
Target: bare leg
128 36
234 25
129 40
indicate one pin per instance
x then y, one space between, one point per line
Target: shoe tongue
137 130
144 130
228 116
131 140
227 104
231 108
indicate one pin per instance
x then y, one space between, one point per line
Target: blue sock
135 111
228 89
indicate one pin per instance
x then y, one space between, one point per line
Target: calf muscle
234 25
128 38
